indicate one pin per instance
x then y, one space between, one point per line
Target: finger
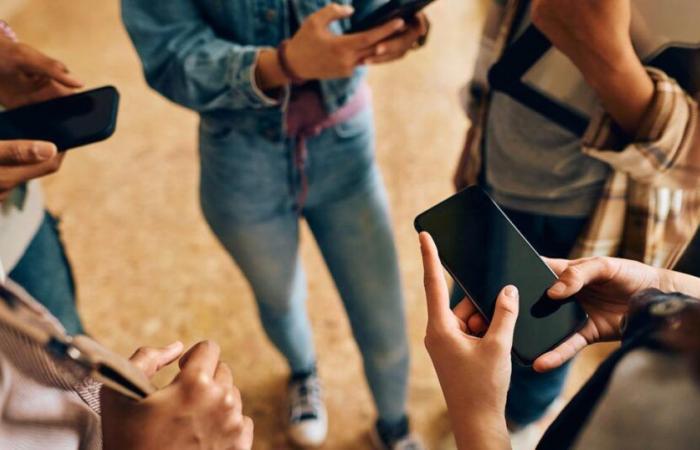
370 38
37 63
26 152
561 354
502 325
243 437
558 266
202 358
386 58
330 13
398 43
477 325
419 22
582 273
436 292
465 309
150 360
234 403
223 375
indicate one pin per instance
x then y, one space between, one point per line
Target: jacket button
271 15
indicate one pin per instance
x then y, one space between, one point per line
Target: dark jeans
44 272
531 393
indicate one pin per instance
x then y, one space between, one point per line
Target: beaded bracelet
7 31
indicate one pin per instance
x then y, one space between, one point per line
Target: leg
267 255
45 272
246 200
350 221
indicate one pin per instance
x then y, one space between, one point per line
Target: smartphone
484 252
364 20
68 122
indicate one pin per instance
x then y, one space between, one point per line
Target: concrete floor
149 270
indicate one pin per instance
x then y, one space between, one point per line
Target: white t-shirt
19 225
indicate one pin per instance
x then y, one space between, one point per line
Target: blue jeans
44 272
531 393
249 188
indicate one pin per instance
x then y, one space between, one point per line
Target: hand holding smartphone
68 122
483 252
392 9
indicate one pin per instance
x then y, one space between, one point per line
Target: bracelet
284 64
7 31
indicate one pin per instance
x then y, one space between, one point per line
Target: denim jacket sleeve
187 62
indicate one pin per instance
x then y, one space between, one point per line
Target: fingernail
380 50
44 152
558 288
173 345
511 291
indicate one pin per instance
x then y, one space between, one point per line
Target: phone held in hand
69 122
364 20
483 252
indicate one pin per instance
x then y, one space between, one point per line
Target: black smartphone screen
68 122
484 252
366 19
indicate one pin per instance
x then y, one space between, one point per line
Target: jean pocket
359 124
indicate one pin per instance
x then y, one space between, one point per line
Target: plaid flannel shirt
650 206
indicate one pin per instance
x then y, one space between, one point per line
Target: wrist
268 73
286 66
488 433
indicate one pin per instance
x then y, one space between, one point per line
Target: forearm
622 85
187 62
479 433
476 426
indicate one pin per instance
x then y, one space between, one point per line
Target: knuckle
145 352
434 337
15 150
197 382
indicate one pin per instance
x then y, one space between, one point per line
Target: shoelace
305 400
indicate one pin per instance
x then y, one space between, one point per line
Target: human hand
603 287
21 161
28 76
201 408
396 46
315 53
474 372
595 35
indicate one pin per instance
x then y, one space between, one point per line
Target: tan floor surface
150 271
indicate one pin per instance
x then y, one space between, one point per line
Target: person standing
31 251
286 133
622 190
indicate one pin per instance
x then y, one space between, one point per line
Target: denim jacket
201 54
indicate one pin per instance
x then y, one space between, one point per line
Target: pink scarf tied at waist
306 118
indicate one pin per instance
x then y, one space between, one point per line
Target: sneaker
395 437
308 421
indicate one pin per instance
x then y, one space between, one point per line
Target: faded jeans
249 191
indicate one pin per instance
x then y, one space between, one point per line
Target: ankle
393 430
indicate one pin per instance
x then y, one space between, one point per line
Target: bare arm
595 35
